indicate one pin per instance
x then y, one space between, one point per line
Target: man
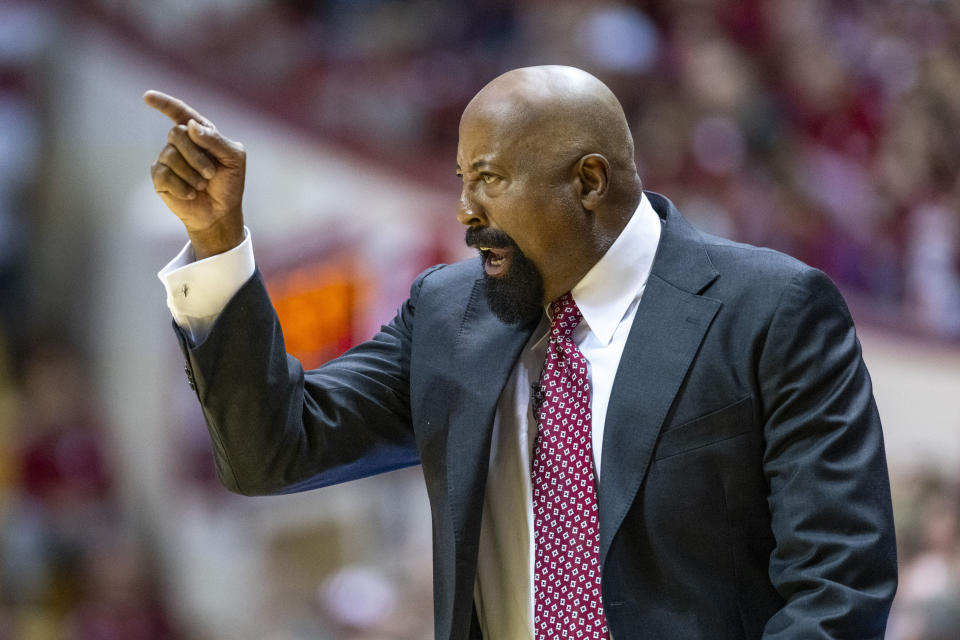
684 445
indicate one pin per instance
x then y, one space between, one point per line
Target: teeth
484 248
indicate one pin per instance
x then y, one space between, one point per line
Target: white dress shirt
607 297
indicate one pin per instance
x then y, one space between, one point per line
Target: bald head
561 111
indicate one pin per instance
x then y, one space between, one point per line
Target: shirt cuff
198 290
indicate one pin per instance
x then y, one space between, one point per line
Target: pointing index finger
175 109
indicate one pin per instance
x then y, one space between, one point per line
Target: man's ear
593 172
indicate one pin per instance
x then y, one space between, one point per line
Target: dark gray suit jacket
744 491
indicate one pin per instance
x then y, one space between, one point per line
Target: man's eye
488 178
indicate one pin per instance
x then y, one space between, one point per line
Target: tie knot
565 316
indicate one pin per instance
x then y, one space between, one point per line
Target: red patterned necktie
566 522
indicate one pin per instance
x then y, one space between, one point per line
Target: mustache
487 237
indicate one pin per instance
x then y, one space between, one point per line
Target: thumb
225 151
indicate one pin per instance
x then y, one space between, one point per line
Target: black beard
515 297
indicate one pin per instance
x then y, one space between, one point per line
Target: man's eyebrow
477 165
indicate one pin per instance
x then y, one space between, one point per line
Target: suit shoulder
446 287
758 278
441 276
759 262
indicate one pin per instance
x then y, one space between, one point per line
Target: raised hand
199 175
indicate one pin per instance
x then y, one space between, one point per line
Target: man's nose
468 213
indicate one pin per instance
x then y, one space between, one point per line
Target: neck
591 253
616 218
609 224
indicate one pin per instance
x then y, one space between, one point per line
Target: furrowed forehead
489 145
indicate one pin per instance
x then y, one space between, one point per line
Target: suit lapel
485 354
670 324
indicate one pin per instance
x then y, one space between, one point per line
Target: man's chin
513 282
514 300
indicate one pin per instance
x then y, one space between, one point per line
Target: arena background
830 130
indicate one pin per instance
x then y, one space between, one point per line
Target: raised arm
275 428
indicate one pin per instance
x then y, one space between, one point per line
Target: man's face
517 202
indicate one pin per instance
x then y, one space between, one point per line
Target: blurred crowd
927 511
827 129
71 565
830 130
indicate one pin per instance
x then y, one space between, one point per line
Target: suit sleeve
278 429
835 558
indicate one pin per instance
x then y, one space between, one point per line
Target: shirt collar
604 295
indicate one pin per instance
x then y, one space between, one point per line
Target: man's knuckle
176 185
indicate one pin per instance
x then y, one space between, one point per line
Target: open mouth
495 261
